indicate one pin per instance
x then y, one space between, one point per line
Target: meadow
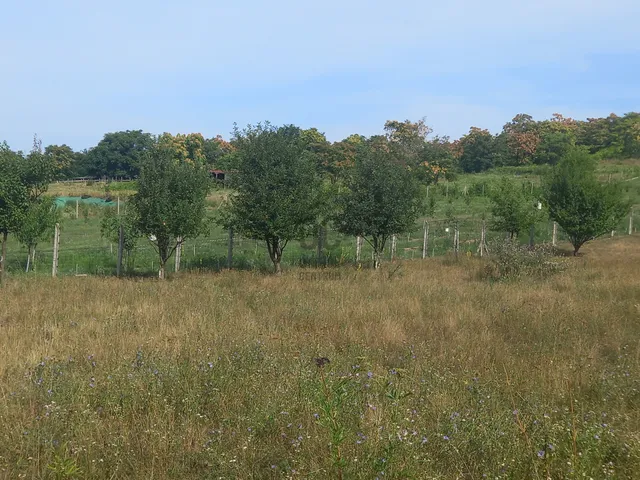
422 370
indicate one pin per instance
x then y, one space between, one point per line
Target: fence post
456 240
532 233
77 209
178 254
56 250
631 223
358 248
425 240
118 204
230 249
120 249
483 237
394 242
321 235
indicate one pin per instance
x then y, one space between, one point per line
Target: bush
508 260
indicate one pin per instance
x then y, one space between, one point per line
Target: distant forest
522 141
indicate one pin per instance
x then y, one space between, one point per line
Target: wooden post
456 240
120 250
358 248
631 223
613 232
394 242
178 254
425 240
77 209
118 204
56 249
483 237
532 235
554 238
321 235
230 249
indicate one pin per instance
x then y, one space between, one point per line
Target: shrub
508 260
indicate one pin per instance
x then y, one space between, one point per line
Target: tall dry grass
433 373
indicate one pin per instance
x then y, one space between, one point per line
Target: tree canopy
582 206
381 199
279 194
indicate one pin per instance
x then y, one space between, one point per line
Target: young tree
22 182
513 208
14 199
382 199
279 193
169 205
110 229
38 222
583 207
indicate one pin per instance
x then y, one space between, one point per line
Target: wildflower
596 436
424 440
369 374
445 437
540 453
316 416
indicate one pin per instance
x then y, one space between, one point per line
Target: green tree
169 205
14 198
119 154
63 159
279 194
110 229
552 147
513 208
583 207
382 199
23 180
37 224
478 151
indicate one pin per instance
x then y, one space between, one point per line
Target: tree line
522 141
289 183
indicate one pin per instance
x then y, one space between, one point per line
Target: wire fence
82 251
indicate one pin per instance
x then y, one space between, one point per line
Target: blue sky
74 70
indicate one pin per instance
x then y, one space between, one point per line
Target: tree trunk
3 256
161 272
376 260
275 253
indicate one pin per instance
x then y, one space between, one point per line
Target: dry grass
433 373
